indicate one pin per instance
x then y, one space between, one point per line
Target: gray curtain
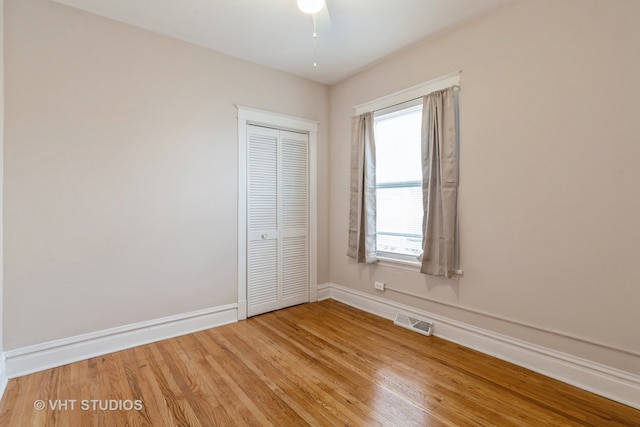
439 184
362 208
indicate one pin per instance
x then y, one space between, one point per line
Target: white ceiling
276 34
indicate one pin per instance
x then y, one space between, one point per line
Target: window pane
398 147
399 220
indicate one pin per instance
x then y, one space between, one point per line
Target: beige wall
121 171
550 183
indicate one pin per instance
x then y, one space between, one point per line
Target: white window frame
385 112
386 104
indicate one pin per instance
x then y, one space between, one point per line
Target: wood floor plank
385 380
283 388
153 394
315 364
517 383
142 384
266 394
400 376
295 379
391 409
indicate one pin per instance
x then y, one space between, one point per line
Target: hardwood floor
319 364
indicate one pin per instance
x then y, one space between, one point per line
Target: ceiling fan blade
323 20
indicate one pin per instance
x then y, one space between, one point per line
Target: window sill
405 263
401 263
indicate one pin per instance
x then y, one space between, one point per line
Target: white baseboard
324 291
3 374
39 357
621 386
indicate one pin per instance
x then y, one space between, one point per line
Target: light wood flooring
321 364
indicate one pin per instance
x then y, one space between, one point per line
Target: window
399 180
386 212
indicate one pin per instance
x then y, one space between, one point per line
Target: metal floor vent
416 325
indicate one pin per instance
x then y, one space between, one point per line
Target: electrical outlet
379 285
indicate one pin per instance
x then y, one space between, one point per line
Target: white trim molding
247 115
414 92
621 386
38 357
3 373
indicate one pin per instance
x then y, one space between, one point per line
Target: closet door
262 214
294 202
277 209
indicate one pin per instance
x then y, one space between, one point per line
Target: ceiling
353 34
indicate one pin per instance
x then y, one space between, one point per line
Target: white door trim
247 115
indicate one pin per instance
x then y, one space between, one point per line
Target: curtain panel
362 208
439 184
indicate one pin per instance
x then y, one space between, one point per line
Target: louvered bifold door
278 219
294 218
262 213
